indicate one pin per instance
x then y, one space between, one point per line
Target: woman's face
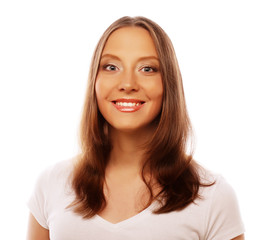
129 85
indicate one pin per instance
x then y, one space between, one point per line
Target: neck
128 151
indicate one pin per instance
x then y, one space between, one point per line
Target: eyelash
109 65
154 69
106 66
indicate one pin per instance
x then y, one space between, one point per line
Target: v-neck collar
132 220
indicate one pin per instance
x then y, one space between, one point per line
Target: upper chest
124 200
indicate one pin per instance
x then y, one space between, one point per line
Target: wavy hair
166 157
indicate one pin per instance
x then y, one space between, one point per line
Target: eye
110 67
149 69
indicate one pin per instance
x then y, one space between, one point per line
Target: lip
137 104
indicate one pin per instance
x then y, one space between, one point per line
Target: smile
128 105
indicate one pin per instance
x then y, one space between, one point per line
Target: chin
126 129
135 129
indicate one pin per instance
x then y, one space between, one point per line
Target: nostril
128 86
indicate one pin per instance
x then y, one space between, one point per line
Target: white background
225 55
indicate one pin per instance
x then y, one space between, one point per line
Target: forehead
134 41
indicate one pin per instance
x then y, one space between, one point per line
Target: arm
36 231
241 237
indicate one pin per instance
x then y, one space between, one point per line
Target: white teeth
127 104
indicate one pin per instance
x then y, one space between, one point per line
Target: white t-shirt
215 216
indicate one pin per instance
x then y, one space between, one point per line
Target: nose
128 82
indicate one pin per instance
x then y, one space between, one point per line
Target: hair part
166 159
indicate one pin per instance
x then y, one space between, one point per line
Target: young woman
134 178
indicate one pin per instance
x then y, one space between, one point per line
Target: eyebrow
139 59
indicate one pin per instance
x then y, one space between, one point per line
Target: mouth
128 105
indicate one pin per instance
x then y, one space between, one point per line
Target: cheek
155 90
158 95
101 89
100 93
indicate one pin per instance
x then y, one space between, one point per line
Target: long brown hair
166 157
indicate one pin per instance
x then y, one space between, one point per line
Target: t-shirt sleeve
38 200
224 218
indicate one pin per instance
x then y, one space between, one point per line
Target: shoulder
52 182
57 173
60 168
220 193
220 204
220 189
50 188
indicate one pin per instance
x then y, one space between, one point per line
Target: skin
35 230
124 73
129 69
130 73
